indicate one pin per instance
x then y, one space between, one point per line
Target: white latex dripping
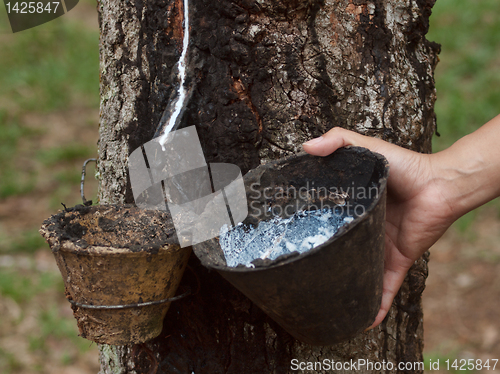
182 94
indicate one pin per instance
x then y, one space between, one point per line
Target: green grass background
52 68
468 74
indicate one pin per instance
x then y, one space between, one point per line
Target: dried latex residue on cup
277 236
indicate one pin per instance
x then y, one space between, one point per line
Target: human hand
417 212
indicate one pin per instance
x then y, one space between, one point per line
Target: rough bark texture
269 75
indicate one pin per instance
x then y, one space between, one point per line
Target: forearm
469 171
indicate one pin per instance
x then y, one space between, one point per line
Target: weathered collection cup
333 291
121 266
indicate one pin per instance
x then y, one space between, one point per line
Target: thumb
339 137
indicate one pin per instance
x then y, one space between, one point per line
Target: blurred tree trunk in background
270 75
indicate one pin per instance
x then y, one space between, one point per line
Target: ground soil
462 297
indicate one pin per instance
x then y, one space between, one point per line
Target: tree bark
268 76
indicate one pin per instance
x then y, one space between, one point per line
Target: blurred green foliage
8 362
53 67
50 67
22 287
45 72
27 241
468 74
70 152
12 181
51 326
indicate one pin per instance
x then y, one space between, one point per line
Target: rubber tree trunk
269 75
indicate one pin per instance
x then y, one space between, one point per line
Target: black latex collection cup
333 291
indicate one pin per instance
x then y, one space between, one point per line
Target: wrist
465 176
